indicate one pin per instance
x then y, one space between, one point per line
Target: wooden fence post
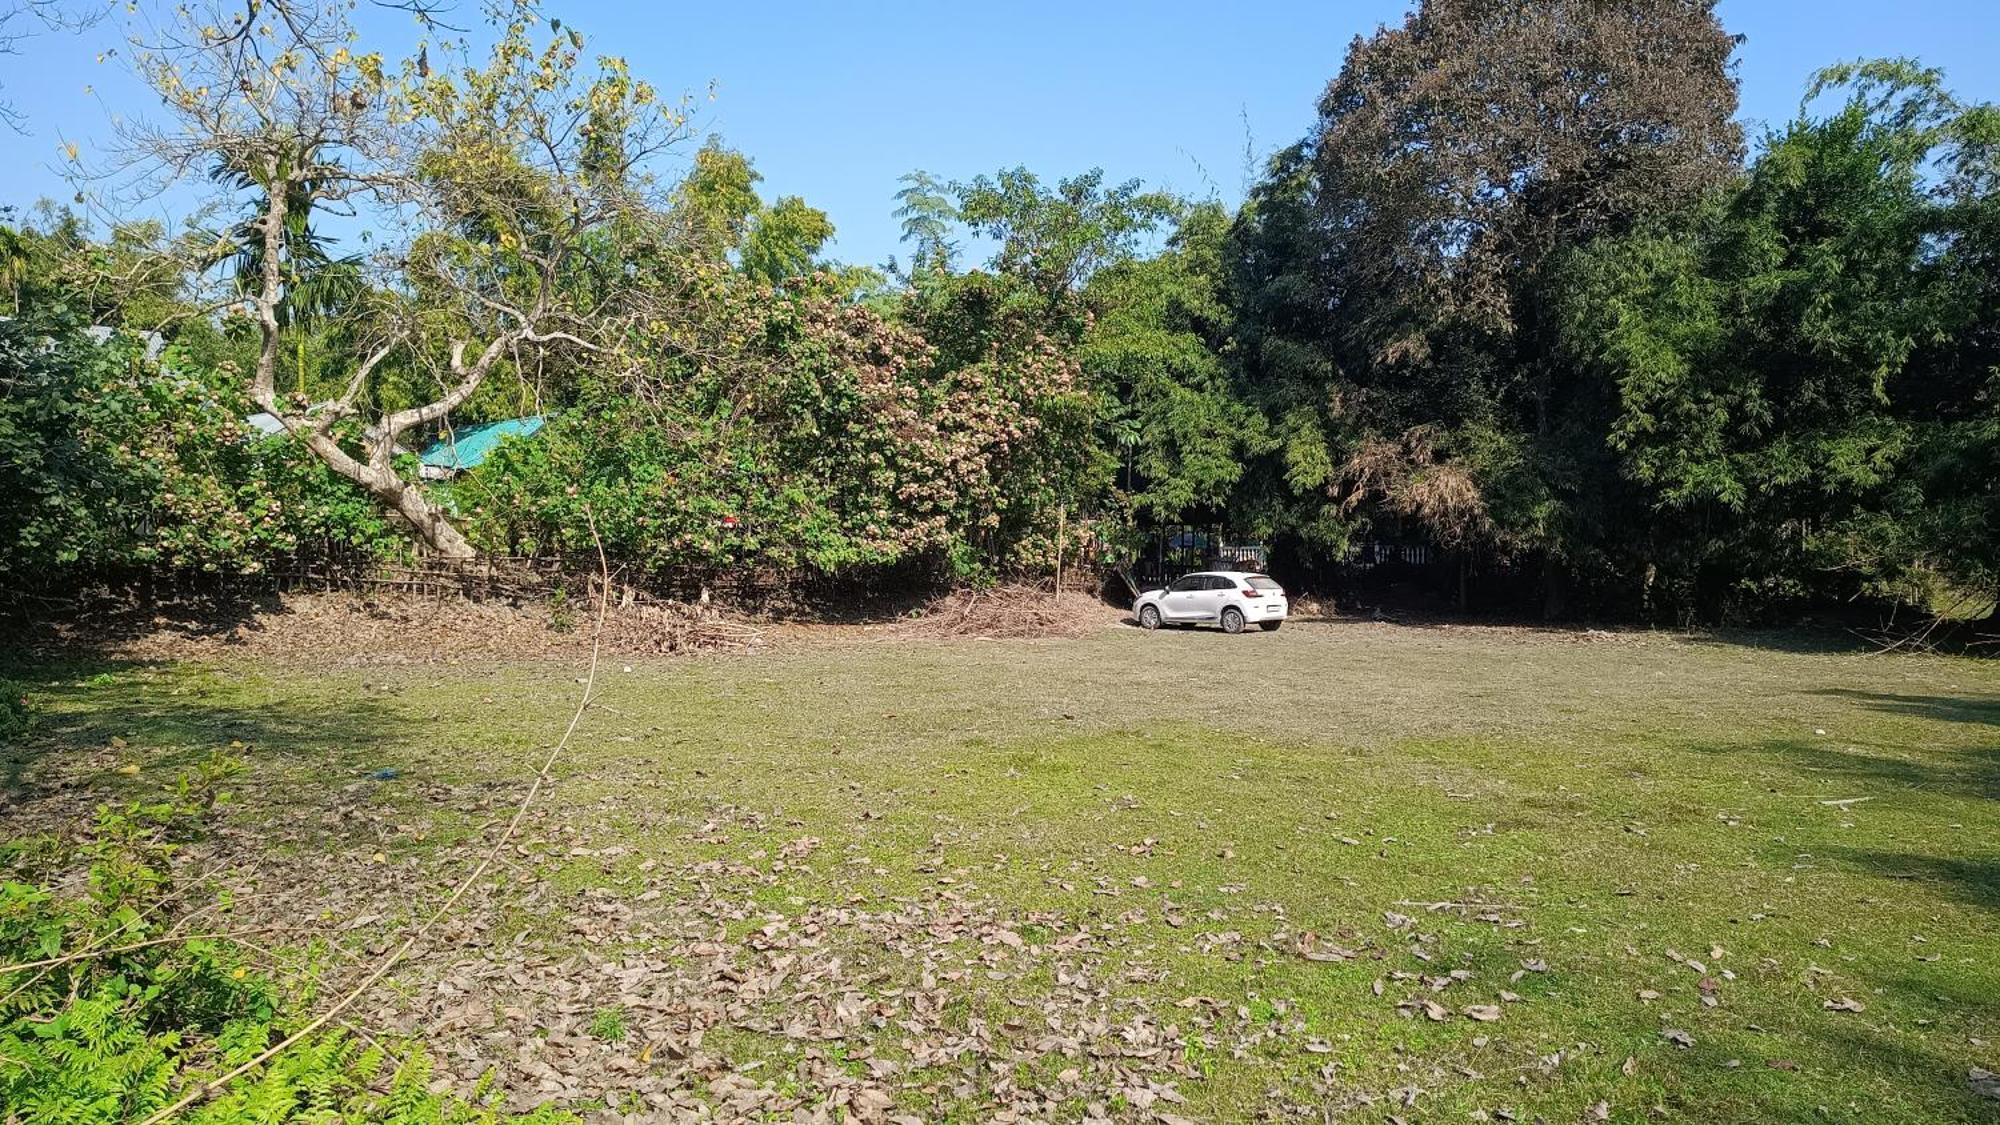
1062 523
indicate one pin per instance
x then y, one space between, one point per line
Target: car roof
1226 573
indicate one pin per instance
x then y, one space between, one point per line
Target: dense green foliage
112 462
1613 359
1800 378
113 1007
1574 338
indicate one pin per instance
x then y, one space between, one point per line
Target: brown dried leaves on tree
1408 478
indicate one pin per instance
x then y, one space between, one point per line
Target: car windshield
1260 582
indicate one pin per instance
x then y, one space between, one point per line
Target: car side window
1191 582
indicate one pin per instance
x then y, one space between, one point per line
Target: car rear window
1259 582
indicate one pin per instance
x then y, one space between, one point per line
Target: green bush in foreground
16 712
128 1028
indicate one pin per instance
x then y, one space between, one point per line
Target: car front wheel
1232 620
1149 617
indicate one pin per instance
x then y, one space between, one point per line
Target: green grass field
1340 871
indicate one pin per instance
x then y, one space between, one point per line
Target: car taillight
1250 592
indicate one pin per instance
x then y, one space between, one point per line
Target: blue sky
835 101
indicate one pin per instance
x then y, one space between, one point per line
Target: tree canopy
1522 294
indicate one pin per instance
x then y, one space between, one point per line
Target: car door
1214 596
1183 600
1200 604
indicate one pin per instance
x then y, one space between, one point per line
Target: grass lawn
1340 871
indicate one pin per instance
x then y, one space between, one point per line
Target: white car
1229 598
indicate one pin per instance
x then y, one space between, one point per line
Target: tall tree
519 185
14 262
1457 152
1803 380
1064 254
1454 158
1055 238
319 288
1157 350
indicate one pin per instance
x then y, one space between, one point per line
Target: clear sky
835 101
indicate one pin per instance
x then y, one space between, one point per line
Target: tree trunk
426 519
1062 518
1555 596
278 171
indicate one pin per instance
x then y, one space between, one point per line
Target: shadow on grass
1952 990
82 631
1795 640
1973 772
1970 772
1913 1067
1980 711
1798 640
178 718
1972 879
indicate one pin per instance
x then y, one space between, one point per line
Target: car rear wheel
1232 620
1149 617
1269 626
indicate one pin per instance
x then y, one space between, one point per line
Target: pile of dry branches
1010 611
666 627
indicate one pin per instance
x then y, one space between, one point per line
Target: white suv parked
1229 598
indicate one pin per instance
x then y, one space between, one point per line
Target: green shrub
16 709
112 462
